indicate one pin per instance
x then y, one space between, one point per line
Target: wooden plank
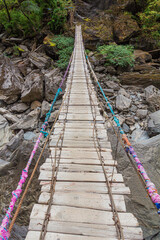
78 168
33 235
80 177
117 188
72 153
83 161
84 229
80 117
84 200
61 213
80 144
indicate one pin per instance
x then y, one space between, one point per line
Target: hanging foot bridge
82 195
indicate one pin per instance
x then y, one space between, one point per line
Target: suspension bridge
82 195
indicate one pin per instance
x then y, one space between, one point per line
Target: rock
23 48
121 119
52 80
33 88
140 205
122 103
142 113
5 132
10 81
111 70
22 66
35 104
133 108
11 118
109 92
146 79
113 85
130 121
19 108
152 95
154 124
123 92
125 128
39 60
142 57
53 116
45 108
3 111
13 144
3 164
143 68
29 136
29 122
125 27
99 69
139 135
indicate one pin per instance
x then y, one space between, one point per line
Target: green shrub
28 16
118 55
150 19
22 24
64 46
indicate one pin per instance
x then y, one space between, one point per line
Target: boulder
122 103
40 60
3 164
142 113
19 108
36 104
99 69
123 92
11 118
33 87
113 85
3 111
111 70
29 122
152 95
11 81
29 136
53 116
142 57
22 66
5 132
45 108
137 202
125 27
52 80
125 128
129 121
154 124
146 79
139 135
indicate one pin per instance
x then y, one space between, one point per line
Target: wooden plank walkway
79 203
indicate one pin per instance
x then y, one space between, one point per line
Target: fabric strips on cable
4 233
150 187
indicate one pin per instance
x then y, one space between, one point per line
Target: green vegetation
117 55
22 17
150 19
64 47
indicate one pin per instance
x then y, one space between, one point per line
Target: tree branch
5 4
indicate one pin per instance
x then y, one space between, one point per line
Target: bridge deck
80 204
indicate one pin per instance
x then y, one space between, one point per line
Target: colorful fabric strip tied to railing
4 233
150 187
